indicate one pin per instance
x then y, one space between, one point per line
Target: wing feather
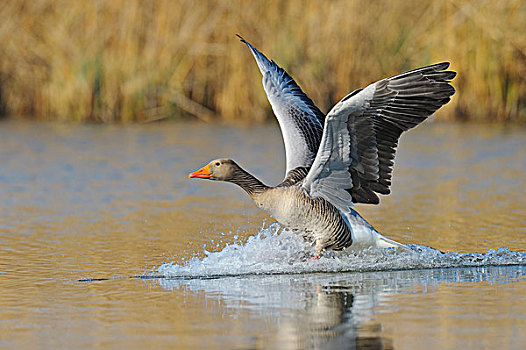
350 158
301 122
371 120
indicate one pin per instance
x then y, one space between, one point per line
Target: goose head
218 169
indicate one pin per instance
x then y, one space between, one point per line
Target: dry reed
127 60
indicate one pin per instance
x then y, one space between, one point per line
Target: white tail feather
383 242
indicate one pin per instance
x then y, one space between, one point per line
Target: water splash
276 251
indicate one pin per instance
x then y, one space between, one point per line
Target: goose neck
248 182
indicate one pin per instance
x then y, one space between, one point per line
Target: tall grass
126 60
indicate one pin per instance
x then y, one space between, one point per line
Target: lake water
105 243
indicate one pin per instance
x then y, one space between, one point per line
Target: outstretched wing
361 133
301 122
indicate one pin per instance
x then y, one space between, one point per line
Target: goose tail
383 242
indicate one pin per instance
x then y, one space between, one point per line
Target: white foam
276 251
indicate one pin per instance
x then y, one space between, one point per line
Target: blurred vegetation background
137 61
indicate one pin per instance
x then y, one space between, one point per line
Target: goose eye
217 164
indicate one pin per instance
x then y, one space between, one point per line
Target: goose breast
315 219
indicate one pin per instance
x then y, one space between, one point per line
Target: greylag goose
338 159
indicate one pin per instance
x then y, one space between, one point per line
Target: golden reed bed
127 61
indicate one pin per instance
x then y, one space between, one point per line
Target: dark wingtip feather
442 65
241 38
445 75
450 75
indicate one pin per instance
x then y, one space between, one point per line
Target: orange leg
316 256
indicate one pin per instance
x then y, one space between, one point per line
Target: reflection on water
80 201
342 310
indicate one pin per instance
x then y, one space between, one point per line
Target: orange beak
203 173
